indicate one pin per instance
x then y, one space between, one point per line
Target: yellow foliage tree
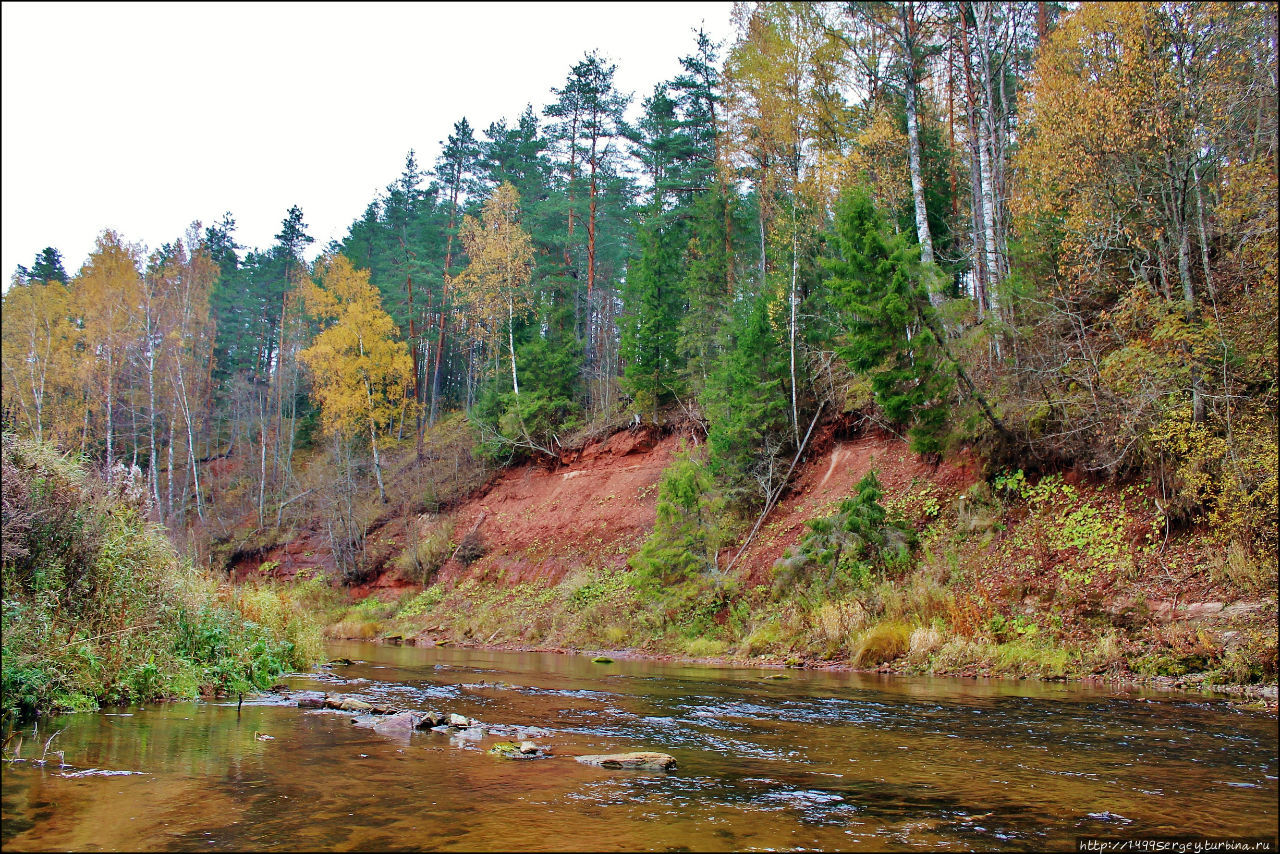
501 254
359 369
108 294
36 354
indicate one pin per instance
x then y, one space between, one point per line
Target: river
818 760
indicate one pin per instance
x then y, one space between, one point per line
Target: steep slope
829 475
595 505
591 509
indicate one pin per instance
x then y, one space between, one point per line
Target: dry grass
430 544
881 643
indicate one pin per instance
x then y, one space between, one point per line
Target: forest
1042 232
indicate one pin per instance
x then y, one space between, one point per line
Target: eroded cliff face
596 505
592 508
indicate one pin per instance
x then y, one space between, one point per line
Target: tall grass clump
97 608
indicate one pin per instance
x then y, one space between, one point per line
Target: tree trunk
377 461
153 476
986 151
913 141
168 496
262 466
591 255
980 273
793 299
191 439
110 406
444 294
511 344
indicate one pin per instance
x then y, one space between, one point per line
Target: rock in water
430 719
456 719
347 704
602 659
642 760
402 722
311 701
510 750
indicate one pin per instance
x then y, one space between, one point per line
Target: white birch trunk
913 148
511 345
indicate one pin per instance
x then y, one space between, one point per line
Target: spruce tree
746 405
880 285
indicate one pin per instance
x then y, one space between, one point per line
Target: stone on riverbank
640 760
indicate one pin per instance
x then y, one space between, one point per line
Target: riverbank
1253 697
99 609
1051 576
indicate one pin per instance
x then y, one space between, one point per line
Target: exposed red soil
595 505
305 552
830 476
590 509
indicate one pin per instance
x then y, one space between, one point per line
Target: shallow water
832 761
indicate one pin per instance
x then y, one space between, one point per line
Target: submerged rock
525 750
640 760
401 722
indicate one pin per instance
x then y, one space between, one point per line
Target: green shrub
850 545
686 535
98 609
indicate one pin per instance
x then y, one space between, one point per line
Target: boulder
311 701
641 760
347 704
401 722
456 719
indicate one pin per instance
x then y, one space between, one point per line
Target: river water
832 761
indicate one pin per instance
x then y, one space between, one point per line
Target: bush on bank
97 608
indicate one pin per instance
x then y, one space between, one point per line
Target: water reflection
820 760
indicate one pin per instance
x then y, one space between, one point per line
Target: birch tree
360 370
501 260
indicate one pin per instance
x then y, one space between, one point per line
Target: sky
144 117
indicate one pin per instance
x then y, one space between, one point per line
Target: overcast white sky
144 117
